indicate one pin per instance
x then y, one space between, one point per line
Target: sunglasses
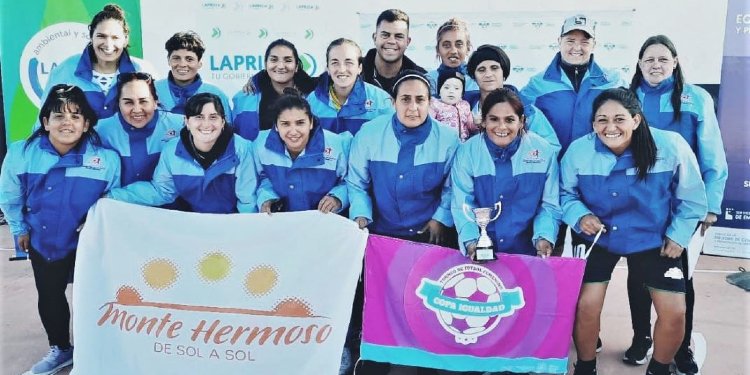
62 89
134 76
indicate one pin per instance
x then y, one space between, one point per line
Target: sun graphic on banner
214 266
159 273
260 280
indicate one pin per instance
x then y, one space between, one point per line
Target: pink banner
428 306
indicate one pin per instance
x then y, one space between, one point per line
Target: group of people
397 149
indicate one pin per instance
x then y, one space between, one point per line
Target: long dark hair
302 80
63 98
679 79
642 144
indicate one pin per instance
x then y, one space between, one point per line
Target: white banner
166 292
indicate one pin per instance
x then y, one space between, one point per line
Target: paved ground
722 323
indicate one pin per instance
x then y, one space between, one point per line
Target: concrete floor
721 334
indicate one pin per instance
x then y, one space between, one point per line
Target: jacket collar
356 102
663 86
314 150
502 153
86 66
139 133
595 72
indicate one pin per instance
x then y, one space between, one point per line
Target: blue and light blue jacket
77 70
301 183
47 196
174 97
697 125
471 88
246 112
364 103
227 186
568 111
407 172
638 214
523 177
536 121
139 149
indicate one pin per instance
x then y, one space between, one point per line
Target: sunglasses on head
62 89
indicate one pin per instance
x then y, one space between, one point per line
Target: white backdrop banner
529 38
237 33
166 292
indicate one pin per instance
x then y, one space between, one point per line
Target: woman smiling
211 169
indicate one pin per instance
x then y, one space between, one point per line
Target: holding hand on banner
329 203
590 225
543 248
362 222
708 222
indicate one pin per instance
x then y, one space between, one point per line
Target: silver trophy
483 217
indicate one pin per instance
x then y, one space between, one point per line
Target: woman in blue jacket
342 101
47 185
184 54
452 48
302 165
95 70
490 66
671 104
252 110
519 169
207 166
641 189
404 161
398 179
140 130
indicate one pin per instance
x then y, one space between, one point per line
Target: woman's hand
543 248
24 242
249 88
329 203
671 249
436 231
707 223
590 225
266 206
361 221
471 251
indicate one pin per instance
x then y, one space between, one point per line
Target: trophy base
484 254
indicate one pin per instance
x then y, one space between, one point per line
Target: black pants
640 304
51 279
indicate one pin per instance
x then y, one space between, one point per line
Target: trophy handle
466 211
498 208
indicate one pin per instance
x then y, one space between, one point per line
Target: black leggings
51 279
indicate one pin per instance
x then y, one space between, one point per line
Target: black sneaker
577 371
685 362
599 345
639 351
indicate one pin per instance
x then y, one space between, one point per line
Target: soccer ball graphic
475 287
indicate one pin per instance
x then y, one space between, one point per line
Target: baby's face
450 92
